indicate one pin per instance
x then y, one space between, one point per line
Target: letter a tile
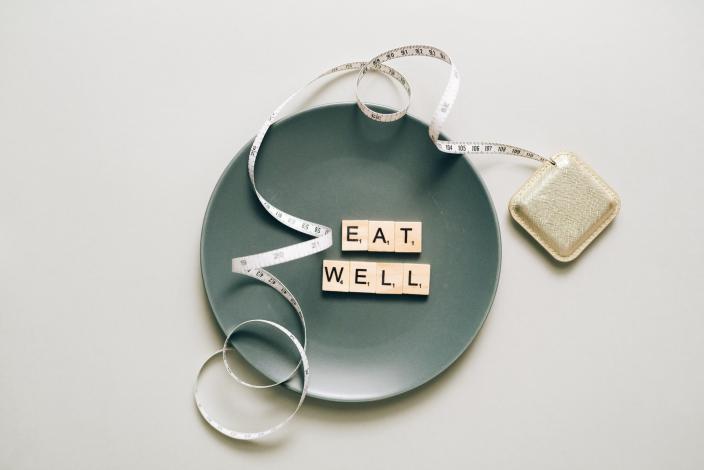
381 235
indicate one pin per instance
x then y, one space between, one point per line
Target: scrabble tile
362 276
381 235
416 279
408 237
336 276
389 278
355 235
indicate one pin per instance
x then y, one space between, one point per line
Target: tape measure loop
259 434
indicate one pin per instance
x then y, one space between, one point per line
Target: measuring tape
248 436
253 265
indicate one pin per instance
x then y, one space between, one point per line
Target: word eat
382 235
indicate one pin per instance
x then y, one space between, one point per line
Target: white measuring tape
248 436
253 265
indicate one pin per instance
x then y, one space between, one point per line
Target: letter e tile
354 235
362 276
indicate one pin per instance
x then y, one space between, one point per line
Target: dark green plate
331 163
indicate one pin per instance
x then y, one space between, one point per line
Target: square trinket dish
565 206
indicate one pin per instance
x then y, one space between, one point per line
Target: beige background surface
116 119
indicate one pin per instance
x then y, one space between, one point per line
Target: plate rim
440 370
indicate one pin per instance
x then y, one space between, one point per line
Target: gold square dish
565 206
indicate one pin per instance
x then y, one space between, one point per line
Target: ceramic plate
332 163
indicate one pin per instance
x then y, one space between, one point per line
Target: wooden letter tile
416 279
354 235
381 235
336 276
362 276
408 238
389 278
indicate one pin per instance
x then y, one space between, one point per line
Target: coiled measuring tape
253 265
248 436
